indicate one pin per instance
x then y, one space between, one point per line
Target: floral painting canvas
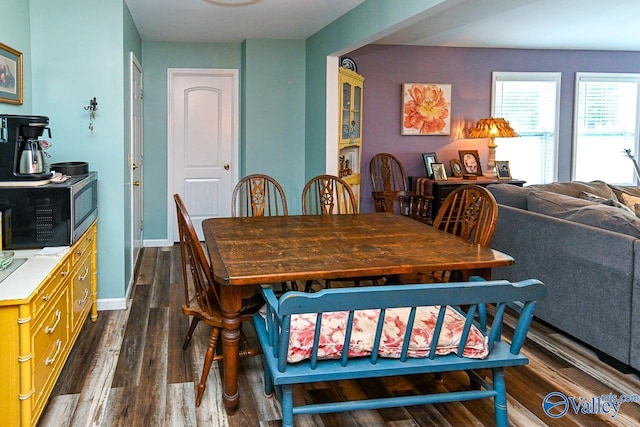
426 109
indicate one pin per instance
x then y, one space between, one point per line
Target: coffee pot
31 159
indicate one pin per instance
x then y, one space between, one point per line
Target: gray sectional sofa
583 241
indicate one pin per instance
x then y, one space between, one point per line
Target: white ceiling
542 24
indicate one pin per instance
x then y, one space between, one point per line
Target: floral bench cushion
395 325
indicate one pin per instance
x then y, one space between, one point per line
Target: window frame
604 77
533 76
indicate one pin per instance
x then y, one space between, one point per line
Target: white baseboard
105 304
156 243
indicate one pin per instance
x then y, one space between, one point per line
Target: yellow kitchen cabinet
350 131
43 305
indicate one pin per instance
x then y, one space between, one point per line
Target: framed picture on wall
470 160
429 159
10 75
426 109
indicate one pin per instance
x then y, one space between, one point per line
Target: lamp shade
492 128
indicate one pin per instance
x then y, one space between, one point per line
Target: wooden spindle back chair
202 294
327 195
258 195
388 180
469 212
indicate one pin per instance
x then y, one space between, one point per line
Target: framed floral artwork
10 75
426 109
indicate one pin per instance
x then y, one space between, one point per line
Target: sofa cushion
632 202
584 212
510 195
575 188
610 202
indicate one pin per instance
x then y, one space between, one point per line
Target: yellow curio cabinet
43 305
350 131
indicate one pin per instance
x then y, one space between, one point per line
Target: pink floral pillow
395 324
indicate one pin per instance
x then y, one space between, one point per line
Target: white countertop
20 284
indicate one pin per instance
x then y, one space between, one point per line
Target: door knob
226 166
136 183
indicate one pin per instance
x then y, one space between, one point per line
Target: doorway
202 143
136 158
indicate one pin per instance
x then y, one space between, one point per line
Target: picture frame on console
503 169
429 159
456 168
439 172
470 160
10 75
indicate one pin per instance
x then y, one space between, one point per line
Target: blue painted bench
274 328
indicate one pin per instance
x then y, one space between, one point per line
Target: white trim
333 112
105 304
157 243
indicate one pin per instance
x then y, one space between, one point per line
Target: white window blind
529 102
605 123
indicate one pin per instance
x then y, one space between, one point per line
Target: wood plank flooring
128 369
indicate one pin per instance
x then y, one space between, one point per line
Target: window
605 124
530 103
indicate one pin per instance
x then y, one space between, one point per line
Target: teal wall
77 49
157 58
14 32
354 29
273 96
77 53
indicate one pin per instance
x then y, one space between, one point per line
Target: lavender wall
469 70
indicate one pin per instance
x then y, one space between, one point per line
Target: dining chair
388 180
202 295
326 195
471 213
258 195
416 206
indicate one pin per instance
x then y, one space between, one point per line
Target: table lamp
492 128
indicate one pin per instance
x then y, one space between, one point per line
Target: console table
440 189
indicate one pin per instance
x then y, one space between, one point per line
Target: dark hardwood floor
128 369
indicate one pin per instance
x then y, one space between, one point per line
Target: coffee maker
21 155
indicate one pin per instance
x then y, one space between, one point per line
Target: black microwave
50 214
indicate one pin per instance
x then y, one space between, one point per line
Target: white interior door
135 158
203 142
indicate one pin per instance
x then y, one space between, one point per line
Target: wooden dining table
258 250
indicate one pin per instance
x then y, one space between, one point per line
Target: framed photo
437 99
429 159
439 172
470 160
456 168
10 75
503 170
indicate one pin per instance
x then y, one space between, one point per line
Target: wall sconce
92 108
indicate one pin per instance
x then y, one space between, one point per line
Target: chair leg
192 327
500 401
213 340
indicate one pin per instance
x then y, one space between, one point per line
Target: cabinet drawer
50 341
82 247
81 297
50 289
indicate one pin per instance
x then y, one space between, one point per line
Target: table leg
231 297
